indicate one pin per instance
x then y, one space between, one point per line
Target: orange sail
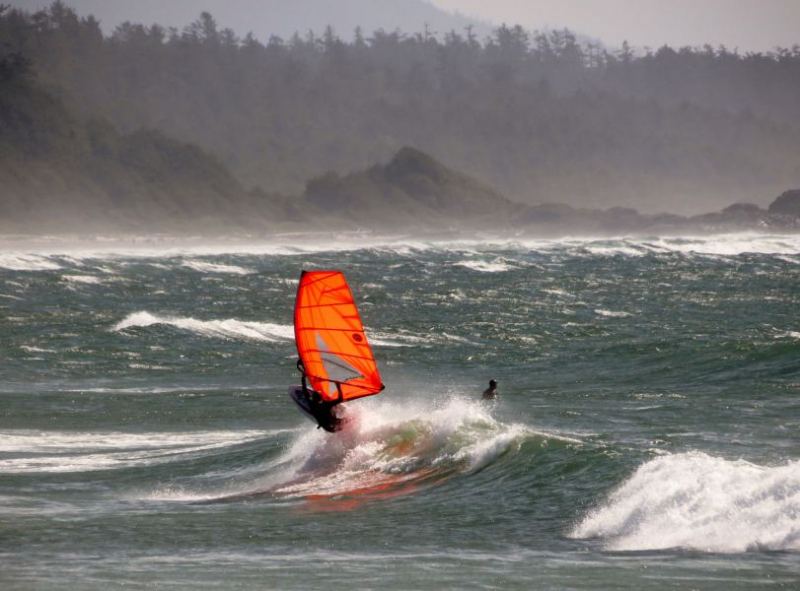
333 348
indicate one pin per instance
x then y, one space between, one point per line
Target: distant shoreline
298 243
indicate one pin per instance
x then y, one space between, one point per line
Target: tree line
540 115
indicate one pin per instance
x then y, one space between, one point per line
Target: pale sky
750 25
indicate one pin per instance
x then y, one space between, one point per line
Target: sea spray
697 501
386 446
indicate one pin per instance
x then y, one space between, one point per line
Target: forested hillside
61 174
276 17
539 117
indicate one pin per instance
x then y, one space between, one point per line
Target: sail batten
330 338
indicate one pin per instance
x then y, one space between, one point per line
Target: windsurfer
329 415
333 348
490 393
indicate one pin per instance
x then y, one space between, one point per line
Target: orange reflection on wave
391 486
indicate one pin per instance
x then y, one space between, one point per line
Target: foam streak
226 329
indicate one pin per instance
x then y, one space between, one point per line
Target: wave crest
226 329
390 449
205 267
700 502
26 262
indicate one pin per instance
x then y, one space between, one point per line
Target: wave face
645 435
385 451
700 502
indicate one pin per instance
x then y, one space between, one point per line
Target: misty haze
198 128
399 294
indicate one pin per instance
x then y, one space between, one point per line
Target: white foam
700 502
391 444
205 267
90 279
16 261
386 449
404 338
557 292
227 329
31 349
64 451
789 334
31 254
733 244
495 266
232 328
611 313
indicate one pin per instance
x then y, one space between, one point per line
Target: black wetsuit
325 412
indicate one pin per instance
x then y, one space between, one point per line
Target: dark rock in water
787 204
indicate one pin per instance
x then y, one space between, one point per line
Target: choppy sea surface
647 433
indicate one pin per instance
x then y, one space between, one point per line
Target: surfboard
335 355
300 399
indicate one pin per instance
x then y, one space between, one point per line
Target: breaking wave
784 246
226 329
385 450
232 328
26 262
87 279
204 267
495 266
700 502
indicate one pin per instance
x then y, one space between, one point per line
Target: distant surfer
490 393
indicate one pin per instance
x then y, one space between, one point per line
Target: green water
646 433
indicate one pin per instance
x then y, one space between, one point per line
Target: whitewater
645 435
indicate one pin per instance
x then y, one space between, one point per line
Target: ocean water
647 433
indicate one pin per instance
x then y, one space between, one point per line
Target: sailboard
335 355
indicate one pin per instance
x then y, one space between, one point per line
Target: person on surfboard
490 393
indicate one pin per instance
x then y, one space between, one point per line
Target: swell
388 450
700 502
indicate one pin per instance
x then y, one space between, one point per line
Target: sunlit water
646 434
